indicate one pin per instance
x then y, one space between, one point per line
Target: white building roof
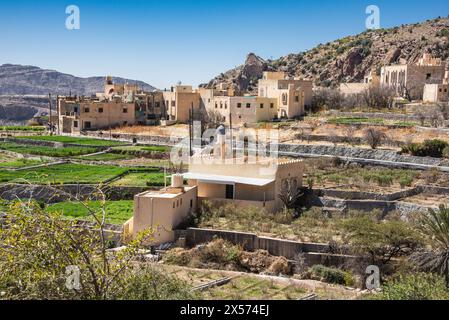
217 179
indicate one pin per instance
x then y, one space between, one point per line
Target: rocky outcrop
243 78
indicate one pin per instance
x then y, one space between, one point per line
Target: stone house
409 79
219 180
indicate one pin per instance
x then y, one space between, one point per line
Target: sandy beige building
179 101
241 181
357 88
256 184
409 79
78 114
245 109
162 211
118 105
292 95
437 92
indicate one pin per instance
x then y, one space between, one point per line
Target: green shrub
446 152
384 180
419 286
331 275
429 148
406 181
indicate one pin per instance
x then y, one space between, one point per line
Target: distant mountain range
20 85
30 80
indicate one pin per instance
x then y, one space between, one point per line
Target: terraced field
63 174
46 151
74 140
117 212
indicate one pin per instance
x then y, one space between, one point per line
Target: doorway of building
229 191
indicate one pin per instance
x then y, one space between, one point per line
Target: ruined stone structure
118 105
409 79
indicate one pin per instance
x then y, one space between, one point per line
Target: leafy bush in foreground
421 286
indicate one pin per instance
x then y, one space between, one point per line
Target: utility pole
190 131
58 111
49 114
230 130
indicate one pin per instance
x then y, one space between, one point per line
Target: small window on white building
248 105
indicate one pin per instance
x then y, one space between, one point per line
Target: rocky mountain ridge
348 59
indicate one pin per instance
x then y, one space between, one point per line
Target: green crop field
349 120
143 148
75 140
106 157
64 173
141 179
117 212
7 161
22 128
46 151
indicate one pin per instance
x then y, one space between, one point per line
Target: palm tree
435 226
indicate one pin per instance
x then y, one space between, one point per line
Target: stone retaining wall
50 194
359 195
362 153
312 253
51 143
156 140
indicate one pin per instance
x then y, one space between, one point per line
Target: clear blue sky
162 42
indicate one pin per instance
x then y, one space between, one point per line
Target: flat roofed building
292 95
245 109
179 101
76 115
409 79
162 211
256 184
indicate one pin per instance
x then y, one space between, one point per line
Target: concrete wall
312 253
49 194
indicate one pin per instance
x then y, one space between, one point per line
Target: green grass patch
20 163
143 148
63 174
355 120
363 176
47 151
22 128
117 212
106 157
75 140
141 179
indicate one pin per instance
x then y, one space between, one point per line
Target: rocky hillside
29 80
347 59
